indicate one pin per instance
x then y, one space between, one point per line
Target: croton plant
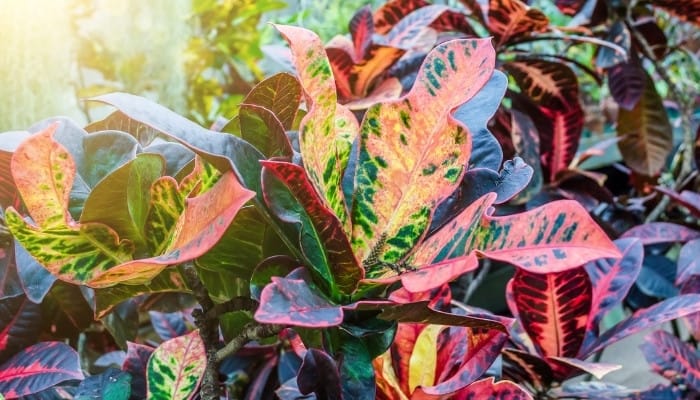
299 252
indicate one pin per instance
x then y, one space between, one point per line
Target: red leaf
37 368
664 311
393 11
672 358
612 280
361 30
288 301
410 32
569 7
512 18
489 389
552 238
661 232
344 270
553 308
522 366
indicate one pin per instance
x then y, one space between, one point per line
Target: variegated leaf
671 357
413 153
280 94
553 308
340 268
488 388
328 129
551 238
511 18
176 367
44 171
201 225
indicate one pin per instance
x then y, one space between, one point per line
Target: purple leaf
661 232
670 357
319 374
688 262
168 325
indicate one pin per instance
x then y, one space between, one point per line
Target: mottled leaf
176 367
511 18
661 232
488 388
328 129
280 94
647 136
626 82
408 32
204 221
672 358
339 266
611 280
409 163
261 128
552 238
609 57
566 367
361 30
688 262
390 13
569 7
38 367
295 302
168 325
553 308
136 364
522 366
664 311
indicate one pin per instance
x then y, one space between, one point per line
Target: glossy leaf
522 366
293 302
111 384
409 32
609 57
104 152
36 280
10 284
488 388
626 82
122 199
44 172
647 136
118 121
318 374
526 144
611 280
280 94
328 129
664 311
357 376
39 367
512 18
168 325
688 262
553 308
339 266
361 30
136 364
661 232
422 312
567 367
261 128
20 325
673 358
204 221
415 162
552 238
176 367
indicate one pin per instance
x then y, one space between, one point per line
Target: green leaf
105 152
413 153
176 367
261 128
122 199
646 133
281 94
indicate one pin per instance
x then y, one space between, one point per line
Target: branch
252 331
240 303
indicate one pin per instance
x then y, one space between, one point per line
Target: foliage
314 250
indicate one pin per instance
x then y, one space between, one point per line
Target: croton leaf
664 311
38 367
20 324
611 280
261 128
318 374
44 171
168 325
553 308
414 161
280 94
526 143
671 357
340 268
569 7
104 152
566 367
608 56
9 196
328 129
36 280
111 384
409 32
204 221
511 18
551 238
361 30
688 262
626 82
661 232
136 364
686 198
122 199
292 301
356 373
687 10
391 12
489 388
647 136
176 367
118 121
10 284
522 366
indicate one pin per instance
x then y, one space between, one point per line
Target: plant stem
208 329
251 331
